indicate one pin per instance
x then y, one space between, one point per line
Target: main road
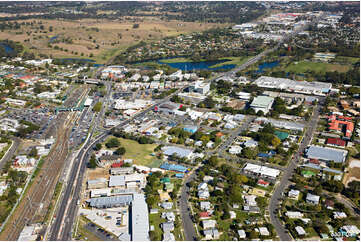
276 198
62 227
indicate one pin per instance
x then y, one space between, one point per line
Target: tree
113 142
249 153
213 161
97 107
98 147
92 162
119 151
33 152
276 141
244 179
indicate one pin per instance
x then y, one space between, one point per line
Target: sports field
307 66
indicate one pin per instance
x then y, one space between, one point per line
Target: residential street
189 232
277 195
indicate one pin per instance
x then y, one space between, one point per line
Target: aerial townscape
180 120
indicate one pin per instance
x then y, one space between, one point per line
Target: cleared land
98 39
353 172
140 153
307 66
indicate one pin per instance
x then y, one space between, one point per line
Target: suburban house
314 199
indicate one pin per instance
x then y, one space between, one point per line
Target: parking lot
109 218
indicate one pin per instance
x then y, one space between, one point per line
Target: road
244 126
34 205
188 227
276 198
61 229
71 195
9 154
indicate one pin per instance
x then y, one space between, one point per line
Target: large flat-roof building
261 170
180 152
316 88
326 154
262 103
140 220
109 202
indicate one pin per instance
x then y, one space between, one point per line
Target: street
283 184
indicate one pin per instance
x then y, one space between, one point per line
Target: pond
267 65
7 48
201 65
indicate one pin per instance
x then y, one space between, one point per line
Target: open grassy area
98 39
346 59
306 66
140 153
233 60
176 60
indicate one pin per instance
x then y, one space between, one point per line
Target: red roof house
336 142
203 215
263 183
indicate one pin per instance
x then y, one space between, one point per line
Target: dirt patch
98 173
352 175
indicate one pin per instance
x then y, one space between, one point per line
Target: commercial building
180 152
262 103
168 108
97 183
109 202
202 87
140 220
88 102
315 88
282 124
173 167
261 170
326 154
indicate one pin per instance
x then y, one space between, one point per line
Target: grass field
175 60
140 153
306 66
99 39
233 60
345 59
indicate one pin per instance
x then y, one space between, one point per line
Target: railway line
34 206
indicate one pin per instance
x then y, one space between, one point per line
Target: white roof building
140 220
294 214
261 170
263 231
300 231
209 224
314 199
235 149
241 234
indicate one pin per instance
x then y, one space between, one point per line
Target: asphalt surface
276 198
9 154
67 211
189 232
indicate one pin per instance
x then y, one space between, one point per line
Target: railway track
35 203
